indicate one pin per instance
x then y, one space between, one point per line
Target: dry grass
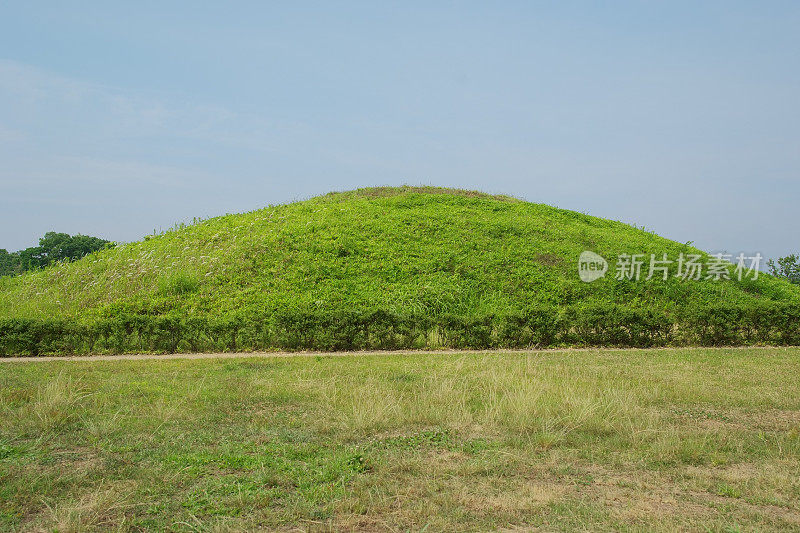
55 403
593 440
102 509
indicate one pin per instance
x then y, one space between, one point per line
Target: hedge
613 326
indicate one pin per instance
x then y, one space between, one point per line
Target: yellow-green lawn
694 439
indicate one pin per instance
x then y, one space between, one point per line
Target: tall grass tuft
56 404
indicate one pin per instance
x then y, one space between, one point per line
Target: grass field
695 439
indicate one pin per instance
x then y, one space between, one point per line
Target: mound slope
429 260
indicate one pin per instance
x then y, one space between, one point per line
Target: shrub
127 330
178 284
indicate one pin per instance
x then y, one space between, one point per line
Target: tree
7 262
52 247
786 267
60 246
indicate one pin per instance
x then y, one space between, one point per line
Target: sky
121 118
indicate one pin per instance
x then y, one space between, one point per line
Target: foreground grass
674 439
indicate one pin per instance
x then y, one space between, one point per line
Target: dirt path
240 355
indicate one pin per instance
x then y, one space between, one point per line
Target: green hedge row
768 323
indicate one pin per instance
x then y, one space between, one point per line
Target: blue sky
120 118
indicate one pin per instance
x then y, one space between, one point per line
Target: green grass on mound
423 257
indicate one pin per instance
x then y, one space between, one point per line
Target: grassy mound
381 267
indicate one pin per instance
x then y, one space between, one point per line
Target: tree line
786 267
52 247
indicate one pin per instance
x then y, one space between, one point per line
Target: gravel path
240 355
